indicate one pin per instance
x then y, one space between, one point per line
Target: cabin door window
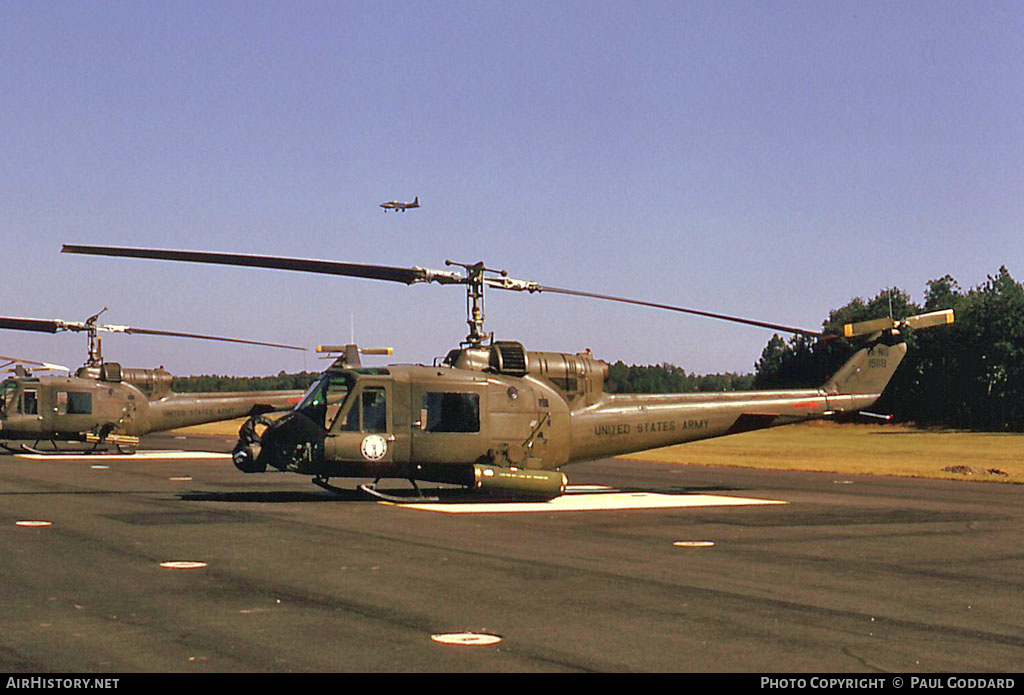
30 402
449 412
74 403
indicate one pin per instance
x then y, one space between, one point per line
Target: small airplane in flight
399 205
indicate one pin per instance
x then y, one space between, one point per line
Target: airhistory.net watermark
55 683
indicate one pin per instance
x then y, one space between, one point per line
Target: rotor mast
95 348
475 283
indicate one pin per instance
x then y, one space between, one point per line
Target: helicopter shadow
274 497
441 496
334 494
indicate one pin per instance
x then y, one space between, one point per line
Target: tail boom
621 424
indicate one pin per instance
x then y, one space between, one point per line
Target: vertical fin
868 371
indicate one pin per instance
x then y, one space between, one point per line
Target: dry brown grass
860 449
226 428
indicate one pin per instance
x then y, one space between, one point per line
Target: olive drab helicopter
104 403
495 417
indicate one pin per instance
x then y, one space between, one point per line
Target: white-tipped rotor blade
8 361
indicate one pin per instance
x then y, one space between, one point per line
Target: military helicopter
107 404
495 417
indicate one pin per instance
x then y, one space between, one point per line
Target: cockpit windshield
325 397
8 391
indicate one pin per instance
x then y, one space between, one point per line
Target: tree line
668 378
968 375
206 383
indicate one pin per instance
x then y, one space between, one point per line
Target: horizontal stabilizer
934 318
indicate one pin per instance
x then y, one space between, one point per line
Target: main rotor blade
176 334
683 310
39 325
407 276
15 323
22 360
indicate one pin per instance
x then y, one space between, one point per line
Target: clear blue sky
766 159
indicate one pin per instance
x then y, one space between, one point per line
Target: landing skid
419 498
374 492
55 451
322 482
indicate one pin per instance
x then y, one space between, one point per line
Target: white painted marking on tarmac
694 544
595 502
28 523
466 639
138 456
181 478
100 468
182 565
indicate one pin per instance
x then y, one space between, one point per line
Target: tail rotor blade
918 321
934 318
852 330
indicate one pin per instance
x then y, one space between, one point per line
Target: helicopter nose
246 454
246 458
292 443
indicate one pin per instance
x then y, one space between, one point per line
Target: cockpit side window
375 410
8 392
325 397
369 413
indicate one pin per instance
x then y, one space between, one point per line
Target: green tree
970 374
